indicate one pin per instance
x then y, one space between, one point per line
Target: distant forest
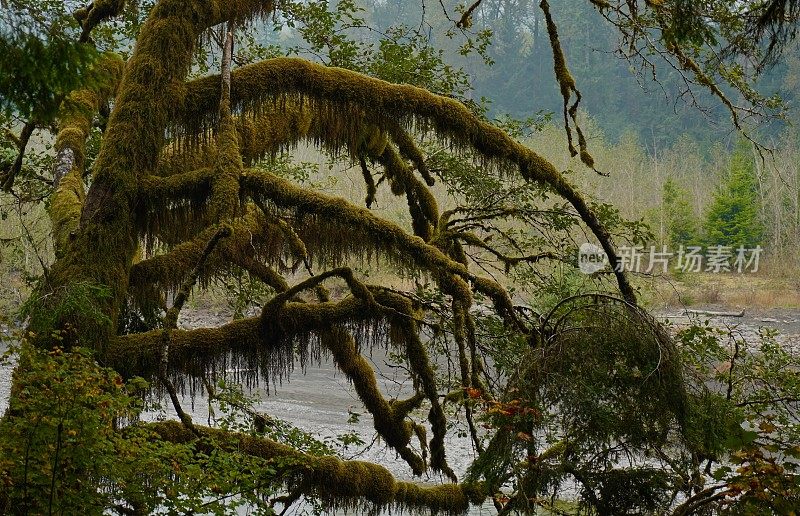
519 77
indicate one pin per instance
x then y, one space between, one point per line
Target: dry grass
760 290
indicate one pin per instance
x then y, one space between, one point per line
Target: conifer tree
734 217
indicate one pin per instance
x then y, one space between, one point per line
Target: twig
171 322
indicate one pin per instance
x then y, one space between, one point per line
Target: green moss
382 235
410 151
388 422
224 199
420 365
568 87
177 160
96 12
421 202
75 124
254 243
372 188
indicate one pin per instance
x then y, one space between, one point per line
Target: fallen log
714 313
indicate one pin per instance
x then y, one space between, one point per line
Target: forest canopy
164 142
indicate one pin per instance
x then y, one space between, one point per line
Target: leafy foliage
582 400
76 459
41 60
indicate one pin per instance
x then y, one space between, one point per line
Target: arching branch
341 89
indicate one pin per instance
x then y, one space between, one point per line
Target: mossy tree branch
407 105
568 88
225 186
75 124
22 140
336 481
96 13
386 235
254 243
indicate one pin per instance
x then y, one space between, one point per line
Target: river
320 400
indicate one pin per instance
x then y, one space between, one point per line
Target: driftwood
715 314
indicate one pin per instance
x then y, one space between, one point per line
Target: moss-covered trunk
81 296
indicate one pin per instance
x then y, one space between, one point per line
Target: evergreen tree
733 217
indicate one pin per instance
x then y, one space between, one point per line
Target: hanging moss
410 151
421 202
389 418
174 208
345 92
254 243
258 344
175 160
273 128
271 125
567 85
372 188
386 237
420 365
264 346
382 234
459 335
